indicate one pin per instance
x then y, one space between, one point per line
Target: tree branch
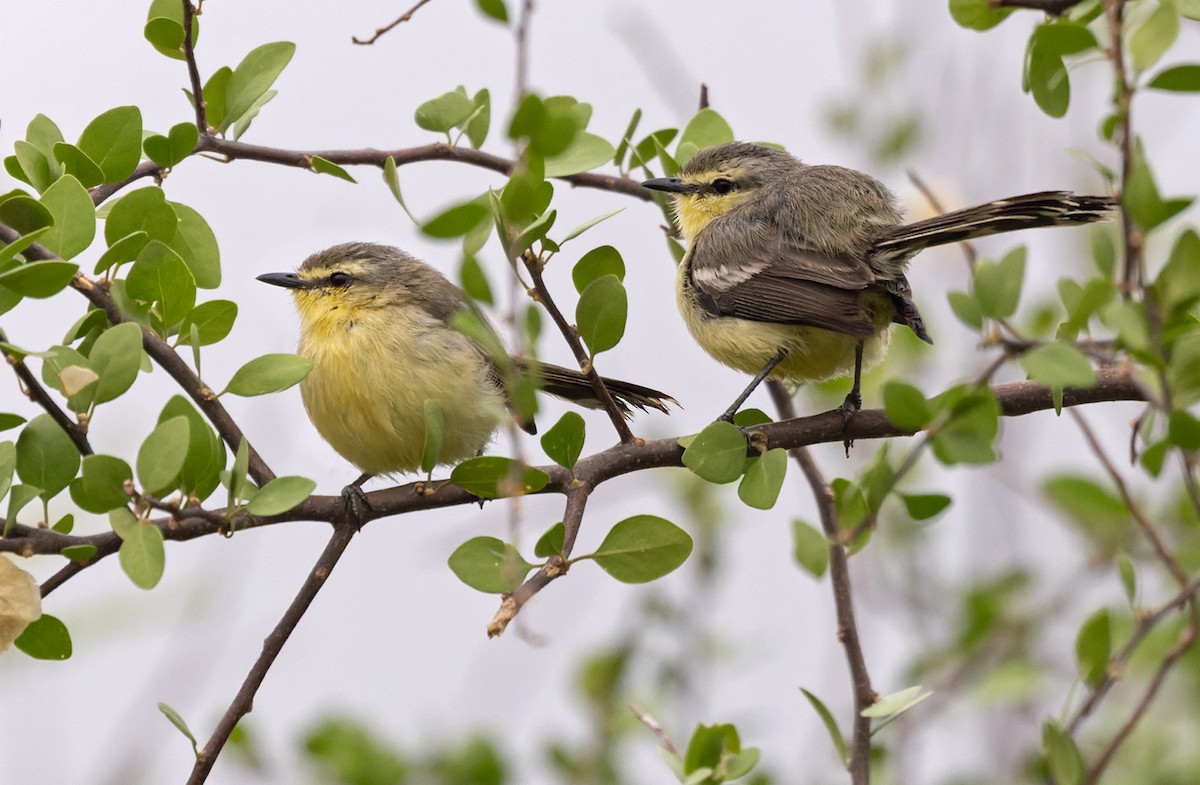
839 575
1052 7
243 701
36 393
571 335
380 31
189 55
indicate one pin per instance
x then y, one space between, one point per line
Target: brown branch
571 334
1148 528
244 700
166 357
379 31
556 566
143 170
1132 269
521 40
839 574
1145 623
1015 399
1186 641
189 55
1052 7
407 155
36 393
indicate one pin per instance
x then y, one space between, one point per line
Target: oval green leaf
46 638
718 453
46 456
161 456
493 477
643 548
280 495
489 565
267 374
601 314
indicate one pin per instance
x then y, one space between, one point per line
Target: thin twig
839 574
1135 509
555 567
302 159
1132 270
383 30
189 55
244 700
1185 643
1052 7
36 393
521 40
571 334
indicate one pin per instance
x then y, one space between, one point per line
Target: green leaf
923 506
10 251
239 484
267 374
114 142
24 213
1093 647
891 706
587 151
551 542
80 554
280 495
906 406
116 358
1058 365
810 548
1047 78
643 548
323 166
481 117
717 453
968 435
1142 198
213 320
1149 41
705 129
144 210
18 497
205 458
159 275
583 227
101 486
489 565
196 244
142 555
997 286
164 28
456 221
444 112
161 456
175 719
966 308
976 15
830 723
601 313
178 144
563 443
33 166
474 280
1128 577
46 638
8 421
708 747
214 96
78 165
494 9
492 477
123 250
1180 79
252 79
46 456
435 435
39 279
1062 756
74 217
763 479
597 263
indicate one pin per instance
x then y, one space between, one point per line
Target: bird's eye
339 279
723 185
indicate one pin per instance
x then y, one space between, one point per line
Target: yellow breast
373 369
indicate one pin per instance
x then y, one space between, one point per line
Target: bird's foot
354 502
848 409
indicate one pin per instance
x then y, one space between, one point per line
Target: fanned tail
573 386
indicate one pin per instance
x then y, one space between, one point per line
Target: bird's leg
757 380
853 400
354 498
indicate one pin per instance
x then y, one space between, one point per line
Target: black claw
355 504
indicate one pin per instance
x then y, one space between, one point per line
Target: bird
376 323
797 272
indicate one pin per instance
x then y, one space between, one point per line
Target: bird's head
718 179
339 284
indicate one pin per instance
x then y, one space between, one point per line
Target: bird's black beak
669 184
286 280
